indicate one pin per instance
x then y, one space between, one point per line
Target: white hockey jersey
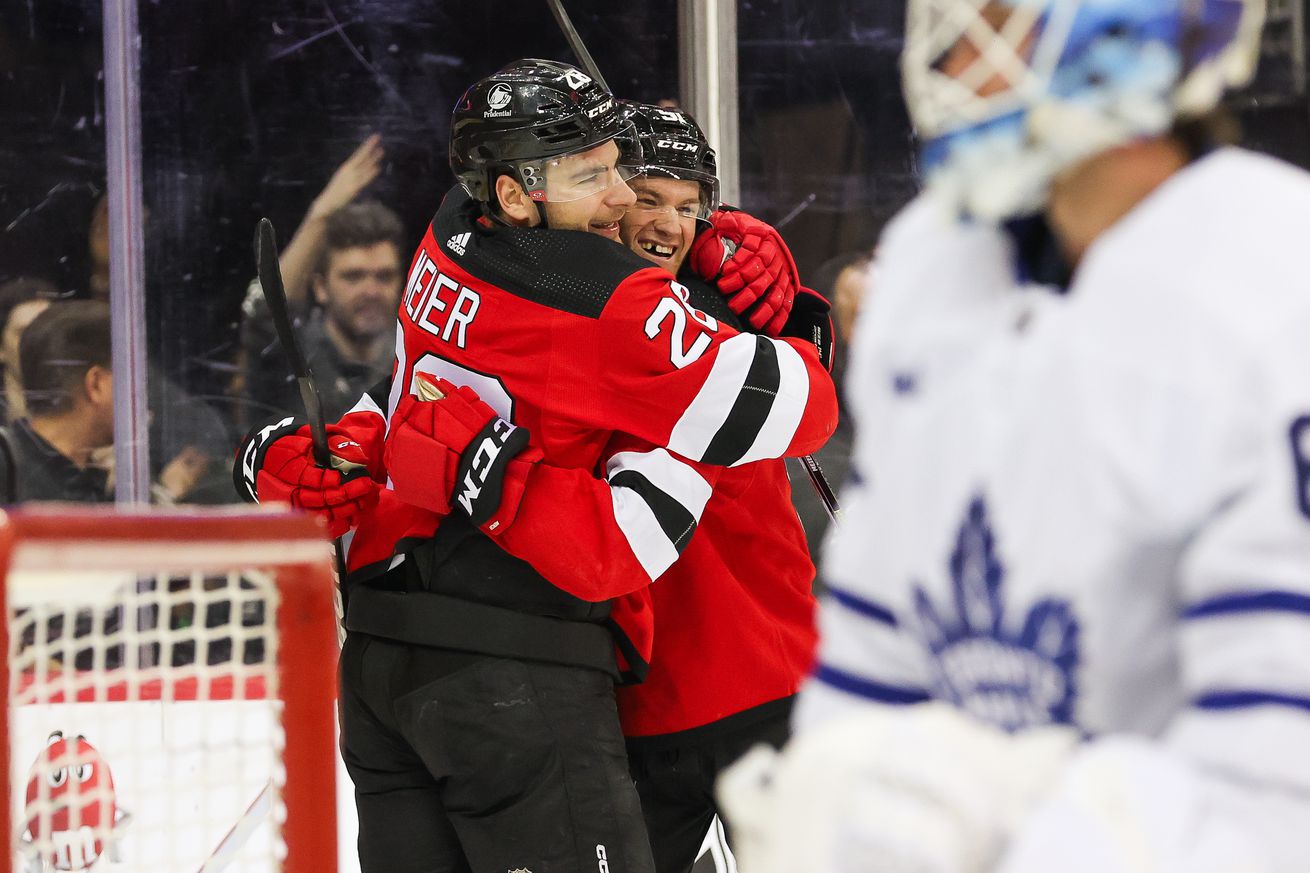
1094 507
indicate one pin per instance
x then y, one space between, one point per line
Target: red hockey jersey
614 373
734 616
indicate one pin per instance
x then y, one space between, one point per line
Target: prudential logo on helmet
499 96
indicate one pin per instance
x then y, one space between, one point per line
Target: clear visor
657 199
577 176
672 213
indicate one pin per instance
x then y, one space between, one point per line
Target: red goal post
170 681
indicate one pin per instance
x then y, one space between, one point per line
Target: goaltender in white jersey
1068 625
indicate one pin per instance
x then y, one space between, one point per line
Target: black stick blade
575 42
275 295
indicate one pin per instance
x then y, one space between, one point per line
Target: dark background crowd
253 109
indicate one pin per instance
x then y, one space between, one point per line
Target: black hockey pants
675 776
467 763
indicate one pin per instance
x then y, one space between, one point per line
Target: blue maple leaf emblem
1012 676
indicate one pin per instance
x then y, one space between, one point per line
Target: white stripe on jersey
706 414
1245 639
654 534
397 381
788 407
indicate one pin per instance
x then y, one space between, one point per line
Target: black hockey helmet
529 112
673 146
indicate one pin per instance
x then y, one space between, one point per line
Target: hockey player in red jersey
733 615
585 347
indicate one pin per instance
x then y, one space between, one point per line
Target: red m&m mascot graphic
71 807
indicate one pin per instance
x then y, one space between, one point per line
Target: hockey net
170 680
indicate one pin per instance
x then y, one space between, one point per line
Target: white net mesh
145 726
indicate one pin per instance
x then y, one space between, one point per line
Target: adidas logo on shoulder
459 242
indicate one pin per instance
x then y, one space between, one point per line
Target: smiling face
587 192
360 290
661 225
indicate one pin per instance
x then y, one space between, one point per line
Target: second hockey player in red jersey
734 616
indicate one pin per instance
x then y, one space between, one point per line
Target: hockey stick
827 496
239 834
275 295
575 42
820 482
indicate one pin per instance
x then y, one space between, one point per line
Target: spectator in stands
63 252
64 360
347 256
61 450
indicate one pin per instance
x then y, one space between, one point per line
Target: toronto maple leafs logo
1013 674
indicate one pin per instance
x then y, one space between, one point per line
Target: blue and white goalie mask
1005 94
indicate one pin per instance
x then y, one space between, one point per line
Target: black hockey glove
810 319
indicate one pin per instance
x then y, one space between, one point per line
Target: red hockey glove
455 449
276 464
750 264
811 320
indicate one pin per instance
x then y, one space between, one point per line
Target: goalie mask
1005 94
525 120
674 147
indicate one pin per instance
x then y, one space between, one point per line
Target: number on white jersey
489 388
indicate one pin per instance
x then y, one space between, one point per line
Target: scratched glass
826 154
251 110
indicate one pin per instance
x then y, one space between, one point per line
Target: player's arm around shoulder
626 520
626 526
680 378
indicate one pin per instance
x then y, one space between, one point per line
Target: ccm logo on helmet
675 145
602 108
